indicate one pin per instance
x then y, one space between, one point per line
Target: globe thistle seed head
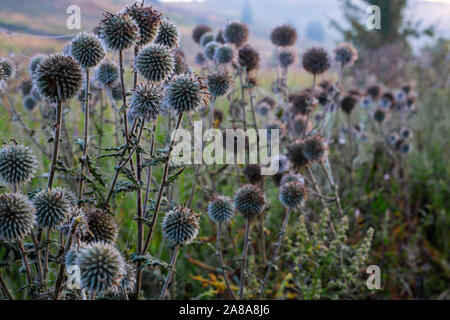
116 92
248 57
219 37
147 21
199 31
271 101
293 194
380 115
224 54
252 173
87 49
35 61
52 207
406 133
186 93
316 61
210 49
58 77
102 226
25 87
387 100
295 154
236 33
16 216
366 102
400 96
128 281
17 164
284 36
219 83
348 104
9 69
263 109
249 201
206 38
180 65
107 73
29 102
101 267
76 218
221 209
168 34
301 124
315 149
200 58
345 54
146 101
301 103
180 225
374 91
405 148
393 137
287 57
118 31
155 63
290 177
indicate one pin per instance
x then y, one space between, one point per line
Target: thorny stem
5 288
222 264
276 251
55 143
244 117
173 261
26 263
86 131
350 148
38 257
311 97
163 183
334 186
244 260
211 113
124 96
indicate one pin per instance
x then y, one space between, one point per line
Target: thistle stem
222 264
86 131
244 116
244 260
334 186
173 262
163 183
38 257
5 288
276 251
124 96
55 143
26 263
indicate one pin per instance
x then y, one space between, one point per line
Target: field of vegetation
93 205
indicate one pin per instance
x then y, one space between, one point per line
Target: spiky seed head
146 101
293 194
116 92
295 154
221 209
284 36
16 216
29 102
186 92
58 77
87 49
180 225
25 87
9 69
236 33
52 207
168 34
199 31
101 267
219 37
348 103
128 281
219 83
224 54
206 38
102 226
248 57
380 115
345 54
263 109
249 201
374 91
287 57
406 133
147 20
118 31
210 49
301 103
107 73
35 61
252 173
155 62
315 149
200 58
17 164
301 124
289 177
180 65
404 148
316 61
75 217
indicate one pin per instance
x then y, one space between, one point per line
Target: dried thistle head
316 61
118 31
315 149
284 36
52 207
180 225
102 226
147 20
248 58
87 50
146 101
16 216
155 63
236 33
17 164
292 194
221 209
252 173
219 83
107 73
168 34
199 31
249 201
345 54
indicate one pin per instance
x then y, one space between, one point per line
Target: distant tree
247 13
315 31
395 27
